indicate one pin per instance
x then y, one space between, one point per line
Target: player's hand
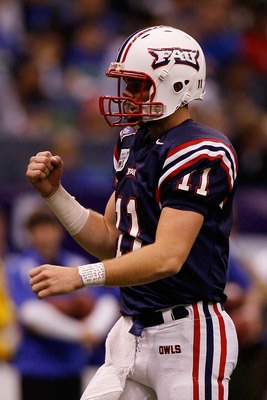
44 172
50 280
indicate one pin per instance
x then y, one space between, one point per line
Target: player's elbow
171 264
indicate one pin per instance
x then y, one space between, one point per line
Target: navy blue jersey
190 167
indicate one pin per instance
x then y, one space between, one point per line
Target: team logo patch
124 155
131 172
174 55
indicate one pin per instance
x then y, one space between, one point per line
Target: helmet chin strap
157 110
161 77
185 100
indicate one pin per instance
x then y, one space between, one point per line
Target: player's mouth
132 110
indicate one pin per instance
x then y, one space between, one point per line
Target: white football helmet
171 59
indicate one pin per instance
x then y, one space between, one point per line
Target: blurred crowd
54 55
53 59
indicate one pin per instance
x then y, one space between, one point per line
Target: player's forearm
90 229
145 265
96 237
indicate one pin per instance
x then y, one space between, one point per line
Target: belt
147 320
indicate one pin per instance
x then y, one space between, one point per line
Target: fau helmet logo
176 56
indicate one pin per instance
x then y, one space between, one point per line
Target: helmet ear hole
178 86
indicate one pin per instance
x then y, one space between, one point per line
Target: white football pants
188 359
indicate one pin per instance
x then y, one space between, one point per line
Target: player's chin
133 119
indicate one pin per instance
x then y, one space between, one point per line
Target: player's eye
133 85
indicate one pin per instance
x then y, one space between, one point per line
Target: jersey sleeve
197 176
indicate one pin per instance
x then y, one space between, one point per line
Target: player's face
138 91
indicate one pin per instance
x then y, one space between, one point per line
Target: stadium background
53 58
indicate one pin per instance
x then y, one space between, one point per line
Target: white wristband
93 274
70 213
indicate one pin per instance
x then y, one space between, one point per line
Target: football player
164 236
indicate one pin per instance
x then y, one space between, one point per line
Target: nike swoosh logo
159 142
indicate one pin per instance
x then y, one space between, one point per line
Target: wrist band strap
92 274
70 213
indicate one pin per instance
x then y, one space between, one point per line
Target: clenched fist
44 172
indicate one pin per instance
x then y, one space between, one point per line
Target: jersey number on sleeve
202 188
